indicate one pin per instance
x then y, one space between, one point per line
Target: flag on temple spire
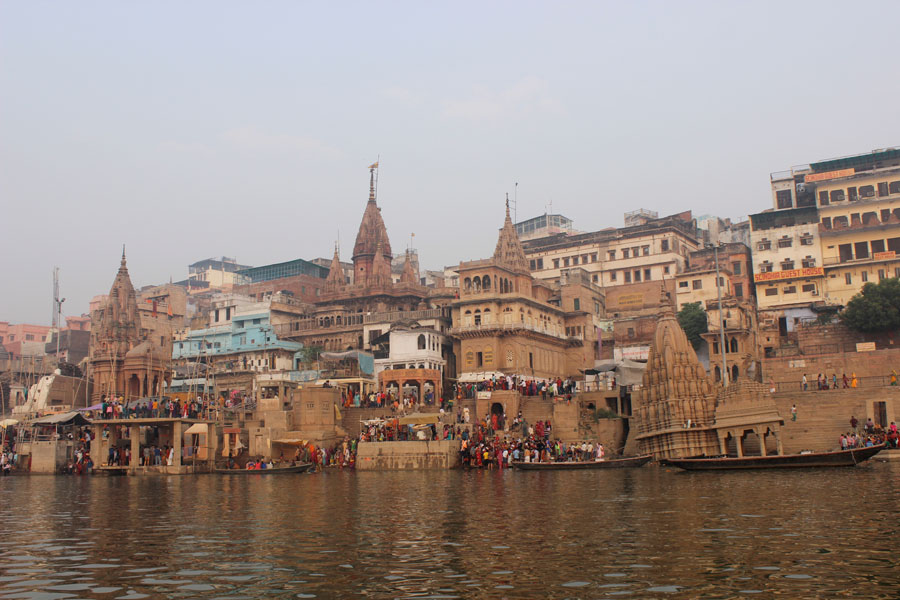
374 165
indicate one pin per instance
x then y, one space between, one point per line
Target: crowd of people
526 387
114 407
870 434
824 383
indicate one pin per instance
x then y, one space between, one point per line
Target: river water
641 533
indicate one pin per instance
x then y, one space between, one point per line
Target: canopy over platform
420 419
62 419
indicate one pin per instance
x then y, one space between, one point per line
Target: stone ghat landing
407 456
822 416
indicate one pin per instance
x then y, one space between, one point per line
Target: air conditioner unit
814 293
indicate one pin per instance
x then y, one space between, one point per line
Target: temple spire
410 273
336 273
509 251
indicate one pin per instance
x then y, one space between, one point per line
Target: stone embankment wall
407 456
822 416
830 349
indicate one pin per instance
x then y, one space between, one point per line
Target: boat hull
302 468
841 458
616 463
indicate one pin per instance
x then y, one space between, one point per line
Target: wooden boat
614 463
840 458
301 468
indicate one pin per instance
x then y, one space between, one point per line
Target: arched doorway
134 386
496 419
734 372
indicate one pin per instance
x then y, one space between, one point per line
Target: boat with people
298 468
838 458
613 463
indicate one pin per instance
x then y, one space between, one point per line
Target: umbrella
8 423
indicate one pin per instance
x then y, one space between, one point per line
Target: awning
290 442
68 418
8 423
94 407
420 419
197 429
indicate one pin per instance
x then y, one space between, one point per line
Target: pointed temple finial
372 168
123 256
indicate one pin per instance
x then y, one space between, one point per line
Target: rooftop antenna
516 203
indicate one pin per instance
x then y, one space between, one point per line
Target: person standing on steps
804 383
793 412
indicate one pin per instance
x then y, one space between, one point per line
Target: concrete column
740 444
723 448
762 441
176 443
778 446
96 443
135 431
212 444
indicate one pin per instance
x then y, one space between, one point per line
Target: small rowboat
840 458
301 468
615 463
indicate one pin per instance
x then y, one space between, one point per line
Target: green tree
876 308
692 319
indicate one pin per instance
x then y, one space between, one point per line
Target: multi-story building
218 273
237 344
543 226
787 264
833 228
411 360
646 249
859 213
509 322
737 315
24 340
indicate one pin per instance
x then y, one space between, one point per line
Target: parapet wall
407 456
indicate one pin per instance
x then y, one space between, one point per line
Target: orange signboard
789 274
884 255
829 175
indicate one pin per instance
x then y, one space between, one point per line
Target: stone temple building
124 361
350 315
678 412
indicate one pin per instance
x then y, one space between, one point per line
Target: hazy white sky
196 129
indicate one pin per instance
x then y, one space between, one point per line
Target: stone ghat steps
822 416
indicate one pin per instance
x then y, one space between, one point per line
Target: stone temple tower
676 404
371 240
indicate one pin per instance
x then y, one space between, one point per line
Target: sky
189 130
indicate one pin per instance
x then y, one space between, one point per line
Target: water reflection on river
635 533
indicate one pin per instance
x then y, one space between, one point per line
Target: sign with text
632 353
829 175
630 301
884 255
789 274
865 347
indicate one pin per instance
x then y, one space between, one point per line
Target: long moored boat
840 458
301 468
615 463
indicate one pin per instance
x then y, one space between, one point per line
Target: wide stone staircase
822 416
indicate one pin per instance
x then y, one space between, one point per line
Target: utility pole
721 320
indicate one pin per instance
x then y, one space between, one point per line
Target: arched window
734 345
467 284
476 284
734 372
718 373
486 282
421 341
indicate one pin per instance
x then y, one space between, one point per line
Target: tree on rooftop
876 308
692 319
